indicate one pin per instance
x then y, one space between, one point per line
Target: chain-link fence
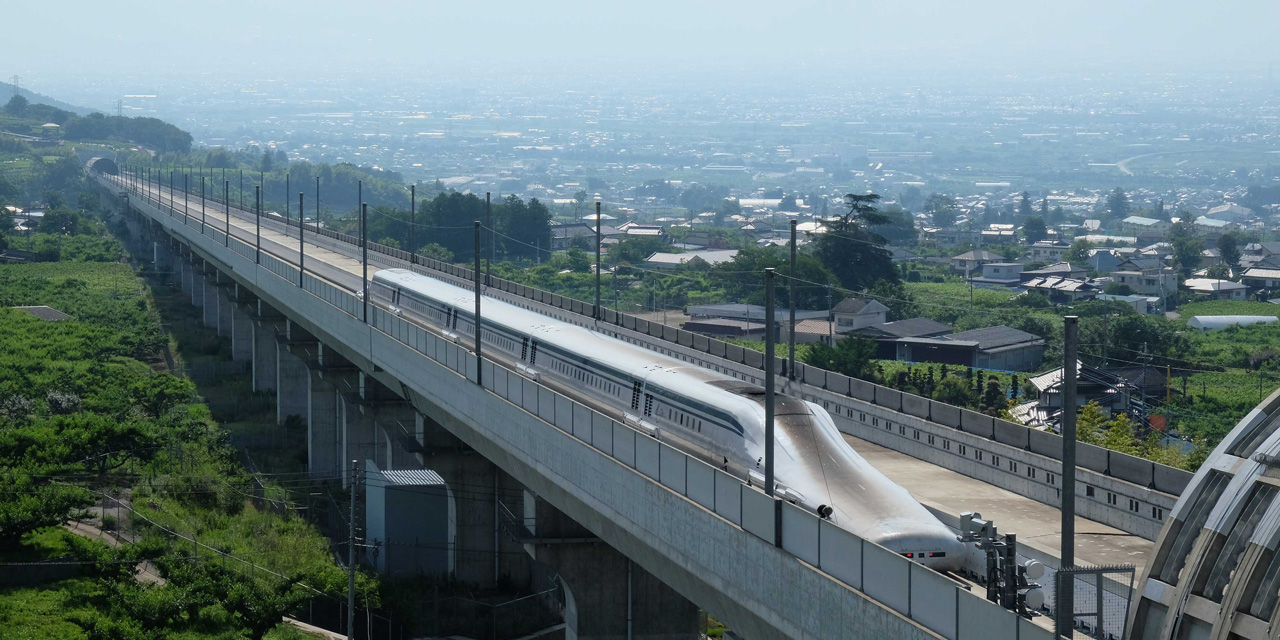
1099 601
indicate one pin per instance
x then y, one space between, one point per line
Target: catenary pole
226 189
364 258
791 335
302 252
769 338
595 313
476 277
1067 555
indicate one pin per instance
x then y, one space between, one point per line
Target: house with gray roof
999 347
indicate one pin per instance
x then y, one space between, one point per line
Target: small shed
411 520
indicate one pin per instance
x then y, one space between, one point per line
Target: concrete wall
750 580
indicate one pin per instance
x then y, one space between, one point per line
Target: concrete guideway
713 550
1131 507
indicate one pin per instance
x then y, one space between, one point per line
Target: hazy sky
324 37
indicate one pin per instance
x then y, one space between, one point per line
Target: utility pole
476 277
768 381
201 205
302 253
184 196
595 311
286 201
318 203
226 190
413 209
242 187
791 340
351 554
1066 596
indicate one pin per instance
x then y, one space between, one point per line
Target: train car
715 417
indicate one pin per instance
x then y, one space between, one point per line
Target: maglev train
715 417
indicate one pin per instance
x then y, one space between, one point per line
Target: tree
788 203
1034 229
435 252
728 208
851 249
1024 206
943 210
1079 251
1118 204
851 356
62 222
1158 213
954 390
1089 423
17 106
993 398
1229 248
1120 436
1187 246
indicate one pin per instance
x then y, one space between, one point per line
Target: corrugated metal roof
411 477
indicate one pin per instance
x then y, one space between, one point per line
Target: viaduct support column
226 308
329 376
607 595
197 282
210 305
294 350
265 324
241 327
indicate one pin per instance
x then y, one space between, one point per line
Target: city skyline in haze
326 38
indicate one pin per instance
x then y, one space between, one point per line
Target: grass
49 612
955 294
1228 308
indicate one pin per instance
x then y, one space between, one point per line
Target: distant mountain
6 92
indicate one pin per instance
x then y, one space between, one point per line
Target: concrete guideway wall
763 582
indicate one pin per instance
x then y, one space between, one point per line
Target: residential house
1140 303
1103 260
1140 226
852 314
1048 251
951 237
886 335
1162 281
564 235
1058 269
1261 278
1213 227
971 261
661 260
1006 274
1216 288
1230 213
999 347
1061 290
